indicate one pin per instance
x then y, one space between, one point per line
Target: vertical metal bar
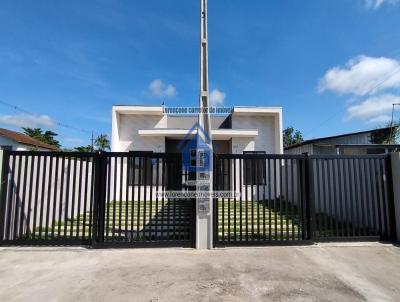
269 199
4 186
37 184
390 199
10 198
133 161
374 198
341 192
49 185
85 200
78 220
140 181
347 197
151 200
157 209
280 197
127 199
287 215
310 185
241 199
145 199
67 197
163 200
379 195
96 199
385 211
252 183
293 206
74 175
359 196
115 177
17 198
300 204
61 197
258 197
223 200
335 200
42 199
121 179
364 202
275 197
368 193
353 197
235 200
264 203
229 200
92 221
23 205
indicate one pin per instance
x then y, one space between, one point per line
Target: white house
11 140
246 129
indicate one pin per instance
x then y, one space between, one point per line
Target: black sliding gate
289 199
70 198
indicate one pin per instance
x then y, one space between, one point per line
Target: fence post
395 188
4 170
99 198
310 202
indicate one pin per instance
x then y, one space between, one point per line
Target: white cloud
375 4
375 109
217 97
27 120
362 76
159 89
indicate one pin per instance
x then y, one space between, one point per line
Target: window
254 169
8 148
140 171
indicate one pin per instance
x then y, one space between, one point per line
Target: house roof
25 139
310 141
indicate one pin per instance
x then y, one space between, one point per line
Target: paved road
315 273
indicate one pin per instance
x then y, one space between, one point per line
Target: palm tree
102 142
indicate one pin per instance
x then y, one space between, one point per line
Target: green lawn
171 220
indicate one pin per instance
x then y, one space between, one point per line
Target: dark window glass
254 169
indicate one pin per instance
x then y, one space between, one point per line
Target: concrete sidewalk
346 272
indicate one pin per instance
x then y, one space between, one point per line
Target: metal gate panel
271 203
132 211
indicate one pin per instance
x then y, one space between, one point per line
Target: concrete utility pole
204 145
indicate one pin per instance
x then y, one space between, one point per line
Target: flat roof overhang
217 134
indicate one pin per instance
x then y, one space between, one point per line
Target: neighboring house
365 142
11 140
246 129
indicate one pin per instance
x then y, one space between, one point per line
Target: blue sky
334 66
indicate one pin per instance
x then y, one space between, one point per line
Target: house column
395 160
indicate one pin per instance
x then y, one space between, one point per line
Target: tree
47 137
291 137
87 148
102 143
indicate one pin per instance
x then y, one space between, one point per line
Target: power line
64 125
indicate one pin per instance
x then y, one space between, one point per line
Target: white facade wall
127 122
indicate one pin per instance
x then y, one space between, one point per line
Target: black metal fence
98 199
352 197
293 198
47 198
111 199
131 211
271 204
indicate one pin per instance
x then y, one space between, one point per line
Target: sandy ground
347 272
